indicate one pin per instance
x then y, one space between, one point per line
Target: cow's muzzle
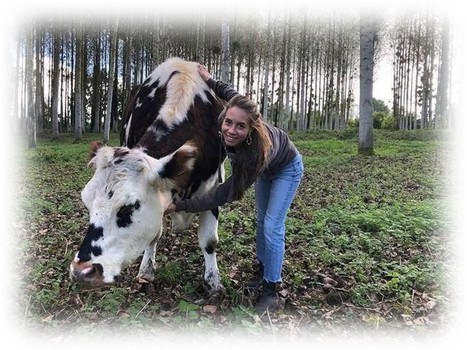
88 274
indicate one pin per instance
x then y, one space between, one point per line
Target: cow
170 150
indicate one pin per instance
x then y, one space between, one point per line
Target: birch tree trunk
225 51
78 130
288 92
96 81
39 69
267 63
201 38
113 55
365 132
442 107
30 110
55 81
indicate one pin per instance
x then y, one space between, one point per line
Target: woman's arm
215 198
221 89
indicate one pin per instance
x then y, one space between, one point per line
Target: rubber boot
256 282
268 299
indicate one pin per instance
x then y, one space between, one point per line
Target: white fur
133 179
180 89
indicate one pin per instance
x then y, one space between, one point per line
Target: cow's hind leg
148 263
207 238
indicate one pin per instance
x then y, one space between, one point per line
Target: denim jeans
274 194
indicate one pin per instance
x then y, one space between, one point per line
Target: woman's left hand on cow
203 71
170 209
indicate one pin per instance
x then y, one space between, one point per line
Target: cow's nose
86 272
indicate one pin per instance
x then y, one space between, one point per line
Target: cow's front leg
148 264
207 238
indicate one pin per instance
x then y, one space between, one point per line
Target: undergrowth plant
366 245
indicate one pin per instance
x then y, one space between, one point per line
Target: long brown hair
252 154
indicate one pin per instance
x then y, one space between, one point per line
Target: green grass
376 226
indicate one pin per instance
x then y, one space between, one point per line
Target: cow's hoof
215 296
144 279
212 291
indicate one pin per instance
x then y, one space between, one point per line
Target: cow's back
172 106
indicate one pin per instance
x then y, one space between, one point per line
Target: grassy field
367 248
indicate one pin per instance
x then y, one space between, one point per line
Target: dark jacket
282 152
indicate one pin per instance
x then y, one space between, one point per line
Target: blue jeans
274 194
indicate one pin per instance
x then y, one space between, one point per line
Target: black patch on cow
170 170
143 116
111 194
94 234
215 212
120 154
99 268
161 139
125 212
211 247
161 129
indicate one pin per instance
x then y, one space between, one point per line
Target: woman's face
236 126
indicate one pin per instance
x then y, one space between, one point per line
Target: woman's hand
203 71
170 209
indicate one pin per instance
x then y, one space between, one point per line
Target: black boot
268 299
255 283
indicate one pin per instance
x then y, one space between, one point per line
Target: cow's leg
148 264
207 238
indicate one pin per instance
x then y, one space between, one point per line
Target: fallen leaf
210 308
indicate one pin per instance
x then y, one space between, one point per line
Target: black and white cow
170 150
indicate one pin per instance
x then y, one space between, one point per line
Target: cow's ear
94 147
176 168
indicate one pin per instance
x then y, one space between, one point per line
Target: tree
367 43
31 113
113 56
267 64
299 66
79 71
442 104
380 106
38 79
96 83
55 81
225 50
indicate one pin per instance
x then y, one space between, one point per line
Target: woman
258 152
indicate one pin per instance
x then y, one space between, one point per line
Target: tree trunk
96 82
31 115
55 80
113 55
78 130
267 63
367 37
442 106
225 51
288 92
38 78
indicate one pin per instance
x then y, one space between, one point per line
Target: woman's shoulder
274 130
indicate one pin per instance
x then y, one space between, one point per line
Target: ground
368 250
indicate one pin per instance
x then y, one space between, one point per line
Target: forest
370 250
299 65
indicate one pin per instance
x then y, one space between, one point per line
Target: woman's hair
252 154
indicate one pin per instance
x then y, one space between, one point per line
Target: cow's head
126 199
